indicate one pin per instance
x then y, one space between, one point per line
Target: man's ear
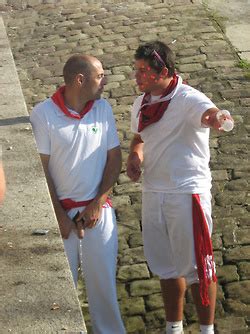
80 79
164 73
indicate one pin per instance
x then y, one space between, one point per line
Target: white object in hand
226 123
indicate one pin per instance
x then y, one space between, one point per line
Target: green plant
244 63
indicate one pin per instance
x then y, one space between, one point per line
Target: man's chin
98 96
142 89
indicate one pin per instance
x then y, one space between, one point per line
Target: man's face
146 77
95 81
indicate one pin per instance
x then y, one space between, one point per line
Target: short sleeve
196 104
40 129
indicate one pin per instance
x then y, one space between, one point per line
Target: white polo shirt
176 148
77 147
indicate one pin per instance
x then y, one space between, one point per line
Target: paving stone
144 287
155 319
133 306
227 274
154 301
237 307
237 254
190 67
135 325
132 272
132 255
231 325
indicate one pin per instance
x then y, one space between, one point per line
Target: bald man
80 151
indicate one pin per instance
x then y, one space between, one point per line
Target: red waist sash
68 203
203 250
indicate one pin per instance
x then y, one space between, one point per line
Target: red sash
58 99
203 250
150 114
68 203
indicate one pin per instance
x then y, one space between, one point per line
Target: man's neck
72 101
161 87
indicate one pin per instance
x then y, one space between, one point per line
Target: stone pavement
44 33
235 20
34 270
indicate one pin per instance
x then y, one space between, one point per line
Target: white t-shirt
77 147
176 148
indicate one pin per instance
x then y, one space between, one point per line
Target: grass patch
244 64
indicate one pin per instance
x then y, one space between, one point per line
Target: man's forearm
136 147
110 174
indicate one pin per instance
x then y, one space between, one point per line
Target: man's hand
134 167
213 118
65 224
91 214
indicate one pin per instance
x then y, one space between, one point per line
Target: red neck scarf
58 99
150 114
203 250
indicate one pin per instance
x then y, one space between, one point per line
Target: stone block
135 240
190 67
121 92
145 287
154 302
219 175
227 274
237 185
192 59
155 319
40 73
111 37
220 63
242 236
237 308
218 258
216 241
133 306
122 293
190 312
121 201
230 198
135 325
123 189
231 324
132 272
123 178
237 254
122 241
115 77
132 256
244 270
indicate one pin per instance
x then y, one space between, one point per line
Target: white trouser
167 226
97 255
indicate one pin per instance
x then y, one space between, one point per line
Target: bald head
78 64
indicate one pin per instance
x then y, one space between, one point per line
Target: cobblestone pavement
43 36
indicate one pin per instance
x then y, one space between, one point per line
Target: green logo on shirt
94 129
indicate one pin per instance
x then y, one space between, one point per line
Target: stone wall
46 33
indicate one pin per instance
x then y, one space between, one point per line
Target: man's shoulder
103 108
103 103
43 106
186 91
